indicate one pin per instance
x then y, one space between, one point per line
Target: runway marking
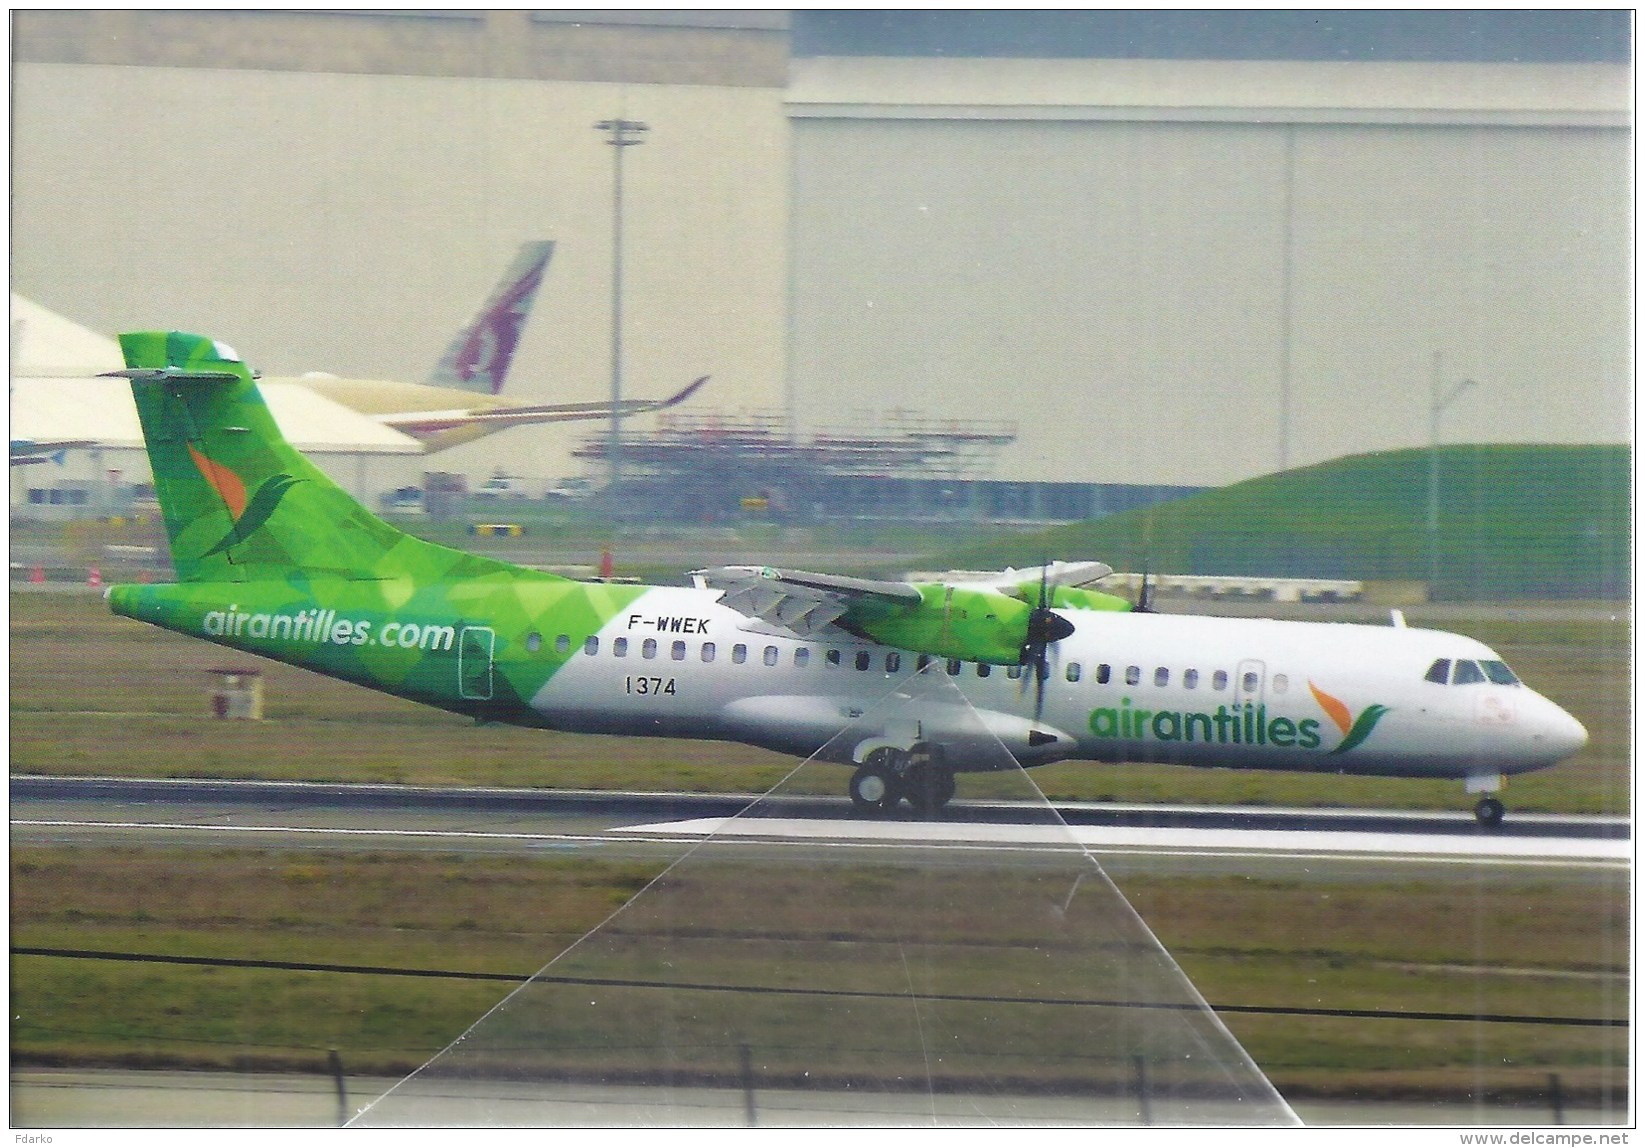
1217 842
317 830
952 837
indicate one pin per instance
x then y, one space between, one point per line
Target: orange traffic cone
606 564
94 577
37 575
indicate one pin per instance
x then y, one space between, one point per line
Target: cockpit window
1499 673
1439 672
1467 673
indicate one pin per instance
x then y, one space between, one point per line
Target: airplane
274 559
462 400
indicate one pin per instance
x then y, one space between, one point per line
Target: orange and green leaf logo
248 513
1354 730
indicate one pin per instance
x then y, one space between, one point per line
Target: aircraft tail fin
240 503
478 358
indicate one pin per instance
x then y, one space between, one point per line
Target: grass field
1516 946
96 695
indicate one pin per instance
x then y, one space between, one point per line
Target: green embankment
1515 522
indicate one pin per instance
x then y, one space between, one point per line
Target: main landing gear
890 775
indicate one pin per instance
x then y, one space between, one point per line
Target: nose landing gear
1489 812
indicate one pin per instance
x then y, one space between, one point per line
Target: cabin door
474 649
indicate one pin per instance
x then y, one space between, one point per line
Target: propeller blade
1044 627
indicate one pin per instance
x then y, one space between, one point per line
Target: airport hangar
1181 248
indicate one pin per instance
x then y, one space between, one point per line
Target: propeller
1044 627
1145 595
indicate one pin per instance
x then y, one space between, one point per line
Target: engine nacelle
968 623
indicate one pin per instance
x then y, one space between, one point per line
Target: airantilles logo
248 513
1243 723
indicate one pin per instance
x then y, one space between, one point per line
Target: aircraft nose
1561 733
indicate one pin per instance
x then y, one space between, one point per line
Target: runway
297 815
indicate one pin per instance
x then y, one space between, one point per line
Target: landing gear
889 774
1489 811
875 787
928 786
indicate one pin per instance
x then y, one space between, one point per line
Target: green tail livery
274 558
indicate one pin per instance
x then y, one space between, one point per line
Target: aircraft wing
1025 583
800 602
439 429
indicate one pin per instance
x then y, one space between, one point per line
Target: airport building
1173 249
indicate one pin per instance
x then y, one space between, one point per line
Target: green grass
1516 945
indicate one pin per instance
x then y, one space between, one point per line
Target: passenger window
893 662
562 644
954 667
1133 675
802 657
1073 673
1162 676
1102 674
833 658
1499 673
533 643
648 648
984 669
619 647
864 659
1219 680
677 651
1439 672
1252 682
1467 673
739 653
591 645
1190 679
1281 683
708 651
771 655
1014 673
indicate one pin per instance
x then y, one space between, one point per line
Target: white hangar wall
1200 271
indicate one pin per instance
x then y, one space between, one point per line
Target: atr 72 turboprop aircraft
274 559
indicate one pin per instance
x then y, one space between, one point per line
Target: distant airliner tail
479 357
240 503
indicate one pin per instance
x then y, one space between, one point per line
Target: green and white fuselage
275 560
674 662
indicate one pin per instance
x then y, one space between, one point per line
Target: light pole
620 134
1437 402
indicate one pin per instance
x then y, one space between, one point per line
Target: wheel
875 787
929 787
1489 811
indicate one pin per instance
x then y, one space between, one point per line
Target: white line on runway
1564 852
1222 842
